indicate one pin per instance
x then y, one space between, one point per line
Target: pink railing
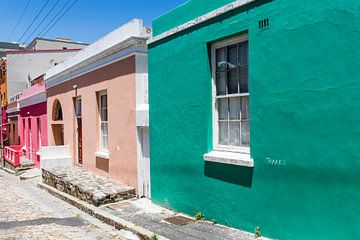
12 155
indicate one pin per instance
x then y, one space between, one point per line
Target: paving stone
28 213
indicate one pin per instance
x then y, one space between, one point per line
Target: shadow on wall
238 175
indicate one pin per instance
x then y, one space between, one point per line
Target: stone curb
112 220
9 170
23 178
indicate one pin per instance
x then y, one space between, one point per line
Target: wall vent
263 24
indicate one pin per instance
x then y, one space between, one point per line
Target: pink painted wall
33 118
118 79
30 116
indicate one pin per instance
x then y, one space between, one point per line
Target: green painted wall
304 113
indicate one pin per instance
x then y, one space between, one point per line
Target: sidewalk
149 221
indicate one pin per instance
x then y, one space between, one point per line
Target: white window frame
100 94
215 116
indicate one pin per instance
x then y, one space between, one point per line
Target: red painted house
32 123
32 126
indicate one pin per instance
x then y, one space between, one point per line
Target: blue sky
86 21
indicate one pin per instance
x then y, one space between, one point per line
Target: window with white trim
103 112
231 95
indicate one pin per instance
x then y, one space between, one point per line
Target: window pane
235 133
243 53
244 88
223 133
223 109
243 60
245 108
104 129
233 81
103 100
103 115
104 143
220 59
245 133
221 83
234 108
232 56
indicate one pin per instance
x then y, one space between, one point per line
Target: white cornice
36 98
213 14
121 51
121 39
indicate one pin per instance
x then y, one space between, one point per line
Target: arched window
57 111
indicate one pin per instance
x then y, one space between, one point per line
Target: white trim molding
233 158
119 44
36 98
213 14
134 45
102 154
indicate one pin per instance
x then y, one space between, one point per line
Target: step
86 186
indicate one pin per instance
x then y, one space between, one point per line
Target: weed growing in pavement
199 215
257 232
154 237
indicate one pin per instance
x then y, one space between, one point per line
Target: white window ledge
102 154
239 159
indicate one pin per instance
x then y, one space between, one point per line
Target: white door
144 163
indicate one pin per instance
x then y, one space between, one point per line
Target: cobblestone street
26 212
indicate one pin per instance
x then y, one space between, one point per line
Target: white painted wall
142 104
46 44
55 156
25 65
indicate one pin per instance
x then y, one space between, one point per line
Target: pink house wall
33 113
29 119
118 79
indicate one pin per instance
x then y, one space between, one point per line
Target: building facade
32 122
97 105
245 102
23 66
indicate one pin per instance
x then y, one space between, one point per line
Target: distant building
32 127
97 104
24 93
58 43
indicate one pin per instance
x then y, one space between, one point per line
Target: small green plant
199 216
227 224
77 215
126 228
154 237
257 232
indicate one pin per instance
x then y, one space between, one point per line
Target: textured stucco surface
118 79
304 113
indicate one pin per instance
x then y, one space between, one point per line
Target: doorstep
147 220
25 165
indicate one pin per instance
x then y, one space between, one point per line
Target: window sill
102 154
232 158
